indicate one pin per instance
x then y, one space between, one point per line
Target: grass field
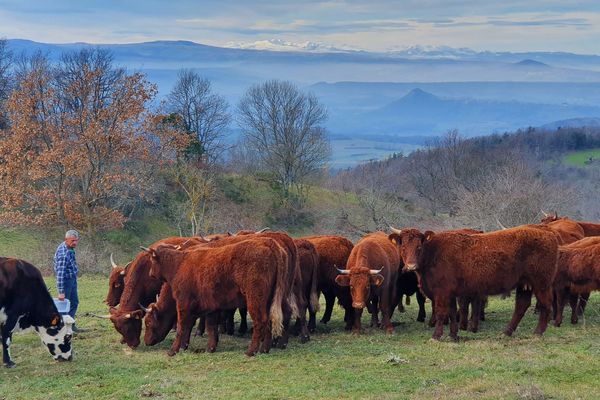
563 364
579 158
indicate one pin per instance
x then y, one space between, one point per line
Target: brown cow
252 273
585 229
333 252
578 272
450 265
372 274
140 288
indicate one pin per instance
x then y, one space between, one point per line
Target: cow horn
128 315
555 215
230 234
112 261
500 224
545 214
396 231
263 230
376 271
342 271
146 310
145 249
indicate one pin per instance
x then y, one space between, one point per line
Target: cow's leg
432 320
7 328
282 341
329 303
201 326
544 299
386 312
260 318
213 328
229 322
312 321
463 311
349 316
573 302
561 294
483 303
243 321
356 327
421 302
453 320
441 306
400 305
583 300
476 305
185 322
522 302
267 342
373 306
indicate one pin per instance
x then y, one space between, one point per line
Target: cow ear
342 280
428 235
395 238
376 280
55 320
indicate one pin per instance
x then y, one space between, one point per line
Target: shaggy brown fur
373 252
452 265
333 252
252 273
578 273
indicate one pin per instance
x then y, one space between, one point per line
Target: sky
373 25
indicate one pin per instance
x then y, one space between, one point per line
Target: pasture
563 364
581 158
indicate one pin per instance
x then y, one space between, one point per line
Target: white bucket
63 306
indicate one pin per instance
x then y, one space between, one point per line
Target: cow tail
276 312
314 294
292 300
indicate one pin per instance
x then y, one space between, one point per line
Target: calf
26 303
450 265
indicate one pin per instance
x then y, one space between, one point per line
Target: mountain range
382 97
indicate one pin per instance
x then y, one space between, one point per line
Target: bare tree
203 114
282 126
5 87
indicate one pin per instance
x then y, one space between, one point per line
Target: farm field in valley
581 158
334 364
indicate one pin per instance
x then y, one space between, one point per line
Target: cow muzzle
410 267
359 305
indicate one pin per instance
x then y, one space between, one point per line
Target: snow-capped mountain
284 45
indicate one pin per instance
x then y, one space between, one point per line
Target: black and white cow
26 303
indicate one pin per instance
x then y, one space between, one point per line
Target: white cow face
58 338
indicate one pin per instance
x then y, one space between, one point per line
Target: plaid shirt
65 266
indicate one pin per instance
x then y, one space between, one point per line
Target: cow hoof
211 349
323 321
171 353
420 319
304 339
282 346
435 338
250 353
574 321
389 331
10 364
557 324
454 338
508 332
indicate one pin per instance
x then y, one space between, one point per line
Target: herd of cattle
278 280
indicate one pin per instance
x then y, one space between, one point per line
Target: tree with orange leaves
76 150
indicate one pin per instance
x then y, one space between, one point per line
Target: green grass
563 364
579 158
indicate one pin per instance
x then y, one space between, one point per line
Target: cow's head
360 280
128 324
56 335
410 242
157 327
116 283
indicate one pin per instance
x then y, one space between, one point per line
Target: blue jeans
71 294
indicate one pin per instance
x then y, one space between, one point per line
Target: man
65 269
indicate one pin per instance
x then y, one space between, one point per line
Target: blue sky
534 25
